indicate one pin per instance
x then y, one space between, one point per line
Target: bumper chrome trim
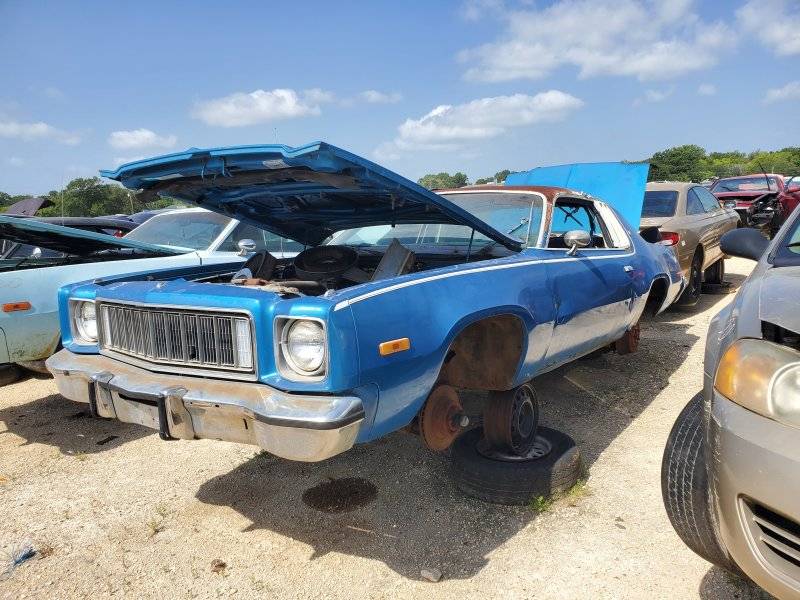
293 426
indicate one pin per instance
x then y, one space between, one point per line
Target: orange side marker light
16 306
392 346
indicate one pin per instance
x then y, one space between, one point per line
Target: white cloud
706 89
653 96
53 93
774 23
140 138
261 106
475 10
37 131
376 97
15 161
449 127
791 91
659 40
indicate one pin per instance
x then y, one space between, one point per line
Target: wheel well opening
658 293
485 354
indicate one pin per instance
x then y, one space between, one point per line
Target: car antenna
769 189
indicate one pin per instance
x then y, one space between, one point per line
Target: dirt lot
119 512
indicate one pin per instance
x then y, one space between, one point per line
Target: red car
761 200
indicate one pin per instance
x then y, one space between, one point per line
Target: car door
716 222
593 289
701 225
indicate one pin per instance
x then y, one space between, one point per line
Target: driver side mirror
577 238
246 246
744 243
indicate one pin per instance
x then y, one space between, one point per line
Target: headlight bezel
79 333
287 366
747 373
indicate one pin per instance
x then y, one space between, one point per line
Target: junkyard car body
754 425
29 324
111 226
483 310
747 191
690 219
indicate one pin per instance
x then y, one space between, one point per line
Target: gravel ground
115 511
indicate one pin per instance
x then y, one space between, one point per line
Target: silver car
731 470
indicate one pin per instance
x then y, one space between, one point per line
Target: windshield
788 251
659 203
517 215
194 230
756 183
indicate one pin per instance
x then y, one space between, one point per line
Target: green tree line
680 163
89 197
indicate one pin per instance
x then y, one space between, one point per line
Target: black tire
685 487
691 295
9 374
715 274
515 482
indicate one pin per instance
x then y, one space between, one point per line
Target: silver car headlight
84 319
762 377
303 346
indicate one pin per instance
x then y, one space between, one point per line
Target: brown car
692 221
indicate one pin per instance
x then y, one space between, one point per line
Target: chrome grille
192 338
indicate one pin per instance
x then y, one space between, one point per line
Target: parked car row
314 300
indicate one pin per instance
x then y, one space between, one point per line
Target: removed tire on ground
553 466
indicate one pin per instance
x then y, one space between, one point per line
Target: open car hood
622 185
76 242
305 193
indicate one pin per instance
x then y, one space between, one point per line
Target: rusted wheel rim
511 419
439 419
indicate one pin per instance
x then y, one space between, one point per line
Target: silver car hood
778 294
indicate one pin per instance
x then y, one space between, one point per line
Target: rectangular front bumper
755 465
297 427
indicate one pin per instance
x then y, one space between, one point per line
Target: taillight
669 239
119 233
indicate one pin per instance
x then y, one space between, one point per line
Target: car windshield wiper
492 244
793 245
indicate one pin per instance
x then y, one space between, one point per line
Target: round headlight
304 346
86 321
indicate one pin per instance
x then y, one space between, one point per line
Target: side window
568 215
244 231
264 240
710 202
693 204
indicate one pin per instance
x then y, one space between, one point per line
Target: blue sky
477 86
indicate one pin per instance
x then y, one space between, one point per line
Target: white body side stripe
525 263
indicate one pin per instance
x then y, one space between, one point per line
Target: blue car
401 298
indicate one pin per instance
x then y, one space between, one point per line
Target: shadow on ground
434 524
56 421
718 584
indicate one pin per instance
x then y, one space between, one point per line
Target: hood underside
75 242
305 193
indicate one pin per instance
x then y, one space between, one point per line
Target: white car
29 324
